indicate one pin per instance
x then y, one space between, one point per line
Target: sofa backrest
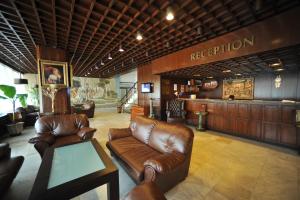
141 128
163 137
61 125
167 138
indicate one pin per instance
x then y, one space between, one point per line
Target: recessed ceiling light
170 14
275 64
102 63
139 36
238 74
227 71
109 57
210 77
85 75
96 67
279 69
120 48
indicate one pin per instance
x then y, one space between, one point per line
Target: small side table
200 118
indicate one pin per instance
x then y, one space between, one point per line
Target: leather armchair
175 111
153 151
57 130
9 167
29 115
87 108
145 191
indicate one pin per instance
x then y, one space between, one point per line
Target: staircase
129 99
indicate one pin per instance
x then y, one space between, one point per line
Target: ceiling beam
25 67
22 21
18 37
38 21
54 22
86 19
70 23
17 49
91 38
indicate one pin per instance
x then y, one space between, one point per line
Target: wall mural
240 88
102 91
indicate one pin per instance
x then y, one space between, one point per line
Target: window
7 76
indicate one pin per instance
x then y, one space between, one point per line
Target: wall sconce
277 81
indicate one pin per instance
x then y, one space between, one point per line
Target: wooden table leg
113 192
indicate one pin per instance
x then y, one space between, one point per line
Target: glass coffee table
70 170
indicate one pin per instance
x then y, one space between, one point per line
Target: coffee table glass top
74 161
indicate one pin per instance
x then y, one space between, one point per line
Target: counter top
243 101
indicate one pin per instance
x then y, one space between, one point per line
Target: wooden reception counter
267 121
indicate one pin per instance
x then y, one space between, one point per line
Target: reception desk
267 121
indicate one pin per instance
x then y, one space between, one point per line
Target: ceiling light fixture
102 63
210 77
121 49
139 36
147 54
170 14
238 74
227 71
279 69
96 67
109 57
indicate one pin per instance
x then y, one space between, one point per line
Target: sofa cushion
141 128
167 138
66 140
135 158
71 124
125 144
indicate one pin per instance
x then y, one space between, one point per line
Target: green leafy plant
10 92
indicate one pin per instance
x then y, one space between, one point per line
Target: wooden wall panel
62 104
145 75
270 132
272 113
271 122
288 135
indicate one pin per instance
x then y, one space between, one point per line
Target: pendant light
121 49
109 57
20 80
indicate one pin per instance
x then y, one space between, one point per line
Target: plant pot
15 129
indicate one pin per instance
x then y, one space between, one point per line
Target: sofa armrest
46 138
116 133
4 150
86 133
165 163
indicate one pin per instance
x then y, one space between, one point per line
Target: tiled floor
222 167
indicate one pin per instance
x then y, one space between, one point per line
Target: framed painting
54 73
239 88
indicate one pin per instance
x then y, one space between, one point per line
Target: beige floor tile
222 167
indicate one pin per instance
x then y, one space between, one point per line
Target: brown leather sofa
87 108
153 151
29 115
9 167
57 130
145 191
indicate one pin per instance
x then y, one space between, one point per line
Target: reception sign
239 88
273 33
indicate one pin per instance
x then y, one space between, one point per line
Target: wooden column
62 104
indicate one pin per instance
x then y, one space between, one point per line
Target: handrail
128 95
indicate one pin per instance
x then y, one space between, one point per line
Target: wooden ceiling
277 61
89 30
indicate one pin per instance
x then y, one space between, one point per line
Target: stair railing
127 96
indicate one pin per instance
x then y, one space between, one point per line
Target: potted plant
9 92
